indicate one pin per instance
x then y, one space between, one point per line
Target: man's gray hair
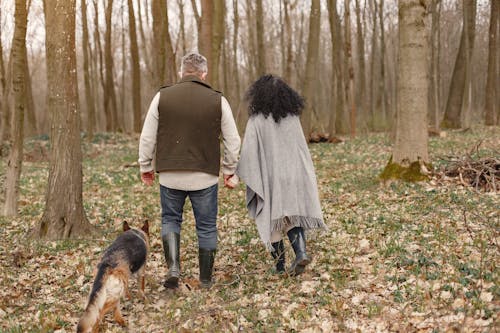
194 63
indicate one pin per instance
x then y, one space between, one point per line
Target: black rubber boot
171 245
206 260
279 256
298 241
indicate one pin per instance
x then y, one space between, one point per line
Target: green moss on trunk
411 173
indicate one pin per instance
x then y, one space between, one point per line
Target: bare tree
382 91
89 96
349 81
110 107
410 153
4 101
459 85
337 122
136 70
217 40
14 162
311 66
261 48
492 82
433 113
360 42
64 216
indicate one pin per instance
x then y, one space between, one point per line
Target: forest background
406 89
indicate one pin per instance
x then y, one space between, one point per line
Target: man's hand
148 177
230 181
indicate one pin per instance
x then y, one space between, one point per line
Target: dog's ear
125 226
145 227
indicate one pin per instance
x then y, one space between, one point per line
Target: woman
275 164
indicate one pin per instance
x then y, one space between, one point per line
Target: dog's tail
106 288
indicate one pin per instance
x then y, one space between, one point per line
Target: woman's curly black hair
270 95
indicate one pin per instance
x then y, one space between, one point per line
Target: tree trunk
4 101
14 162
492 81
89 98
382 94
236 76
452 116
261 48
433 85
311 67
30 122
361 91
109 97
289 45
350 71
337 122
99 64
217 40
165 60
136 69
64 216
205 35
373 92
182 27
410 149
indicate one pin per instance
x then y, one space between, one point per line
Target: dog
124 257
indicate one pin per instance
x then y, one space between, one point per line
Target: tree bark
4 101
14 161
361 91
182 27
337 123
165 59
350 71
64 216
89 96
261 48
289 46
492 81
412 85
373 77
205 34
110 107
433 112
311 67
136 69
452 116
217 40
382 94
236 69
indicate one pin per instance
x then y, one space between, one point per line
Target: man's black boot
171 245
206 261
298 241
279 256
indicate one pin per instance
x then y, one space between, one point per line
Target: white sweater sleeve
231 139
147 142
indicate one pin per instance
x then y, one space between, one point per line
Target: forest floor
398 257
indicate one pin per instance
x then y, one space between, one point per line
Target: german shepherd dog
124 257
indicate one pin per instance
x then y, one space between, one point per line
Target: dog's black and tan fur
124 257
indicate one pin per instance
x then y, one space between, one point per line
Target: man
182 133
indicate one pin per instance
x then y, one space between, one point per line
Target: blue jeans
204 204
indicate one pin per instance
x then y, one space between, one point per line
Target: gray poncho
277 168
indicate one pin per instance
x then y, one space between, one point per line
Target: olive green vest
189 127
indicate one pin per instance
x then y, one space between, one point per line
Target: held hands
148 177
230 181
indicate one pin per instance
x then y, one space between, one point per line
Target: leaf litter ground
397 256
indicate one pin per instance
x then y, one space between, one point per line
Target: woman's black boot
279 256
171 245
298 241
